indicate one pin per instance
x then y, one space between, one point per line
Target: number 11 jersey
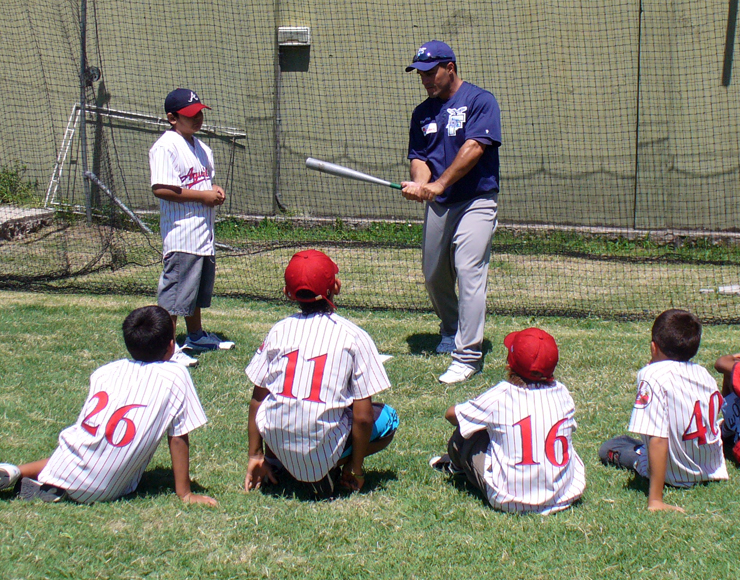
314 366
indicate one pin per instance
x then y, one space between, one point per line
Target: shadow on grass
288 487
461 483
159 481
426 343
639 483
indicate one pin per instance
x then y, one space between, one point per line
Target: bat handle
395 185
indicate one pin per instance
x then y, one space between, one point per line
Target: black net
619 164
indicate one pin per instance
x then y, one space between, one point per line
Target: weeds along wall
619 163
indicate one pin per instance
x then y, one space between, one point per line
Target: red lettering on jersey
193 178
317 377
552 438
116 418
290 374
102 398
697 419
525 425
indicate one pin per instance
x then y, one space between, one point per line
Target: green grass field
409 522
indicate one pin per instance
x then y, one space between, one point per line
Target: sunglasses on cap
428 57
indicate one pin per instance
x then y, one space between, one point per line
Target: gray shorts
186 283
470 456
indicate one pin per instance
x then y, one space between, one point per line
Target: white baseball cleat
446 345
9 475
181 358
458 372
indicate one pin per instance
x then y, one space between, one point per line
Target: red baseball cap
532 350
313 271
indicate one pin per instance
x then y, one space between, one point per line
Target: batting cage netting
619 163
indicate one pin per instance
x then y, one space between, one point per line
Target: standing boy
514 442
130 406
453 147
314 377
675 413
181 177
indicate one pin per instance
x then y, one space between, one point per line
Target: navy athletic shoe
206 341
32 489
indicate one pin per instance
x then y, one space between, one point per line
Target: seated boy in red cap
514 442
314 376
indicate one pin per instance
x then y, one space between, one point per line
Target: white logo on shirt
429 128
456 120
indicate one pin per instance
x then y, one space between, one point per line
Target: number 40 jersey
679 401
130 406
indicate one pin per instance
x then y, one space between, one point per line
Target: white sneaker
181 358
458 372
446 345
9 475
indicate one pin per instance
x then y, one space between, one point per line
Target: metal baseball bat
341 171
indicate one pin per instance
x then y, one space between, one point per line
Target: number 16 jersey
531 465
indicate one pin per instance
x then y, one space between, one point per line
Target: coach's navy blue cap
183 102
430 55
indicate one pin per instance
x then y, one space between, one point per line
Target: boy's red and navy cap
183 102
313 271
532 350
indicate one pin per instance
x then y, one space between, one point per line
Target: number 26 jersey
131 405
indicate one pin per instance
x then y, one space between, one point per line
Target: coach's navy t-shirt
439 128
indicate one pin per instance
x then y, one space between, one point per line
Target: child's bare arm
257 469
362 427
180 453
451 417
208 197
724 365
657 463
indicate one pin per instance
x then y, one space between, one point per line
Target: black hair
147 332
313 306
677 333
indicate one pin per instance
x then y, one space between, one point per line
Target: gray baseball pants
456 249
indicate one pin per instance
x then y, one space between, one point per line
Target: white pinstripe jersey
186 226
130 407
314 367
531 465
680 401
